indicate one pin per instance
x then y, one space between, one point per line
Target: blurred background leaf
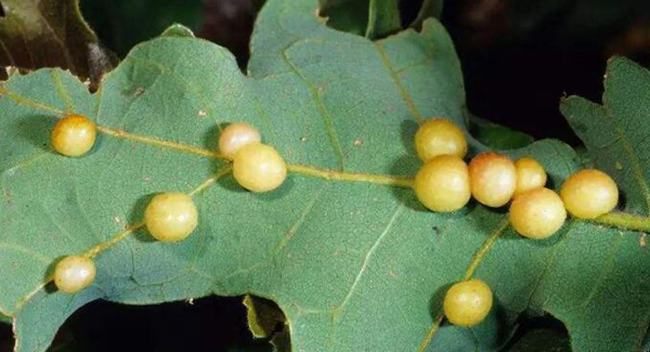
383 18
496 136
122 24
346 15
50 33
429 8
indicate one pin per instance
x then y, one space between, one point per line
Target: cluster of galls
446 183
171 216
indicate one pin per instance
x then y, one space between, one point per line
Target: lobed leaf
616 133
344 249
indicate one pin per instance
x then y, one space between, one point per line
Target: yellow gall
235 136
537 214
74 273
530 175
73 135
439 137
589 193
442 184
171 217
467 303
259 168
493 179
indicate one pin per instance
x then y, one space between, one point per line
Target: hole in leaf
346 16
539 334
230 23
6 337
622 200
206 324
352 15
266 320
409 11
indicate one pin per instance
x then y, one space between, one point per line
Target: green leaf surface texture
343 247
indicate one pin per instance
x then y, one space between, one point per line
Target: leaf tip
177 30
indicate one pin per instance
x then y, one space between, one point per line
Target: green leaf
50 33
177 30
498 137
383 18
343 247
430 8
615 133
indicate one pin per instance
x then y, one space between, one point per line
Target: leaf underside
355 266
50 33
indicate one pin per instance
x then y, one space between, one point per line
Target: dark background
519 58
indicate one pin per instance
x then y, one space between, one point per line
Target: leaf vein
293 229
364 266
323 112
61 91
637 170
403 92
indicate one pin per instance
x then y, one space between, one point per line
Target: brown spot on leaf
7 195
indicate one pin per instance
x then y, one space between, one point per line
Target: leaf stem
398 181
24 101
616 219
305 170
102 246
431 332
485 247
185 148
625 221
212 180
